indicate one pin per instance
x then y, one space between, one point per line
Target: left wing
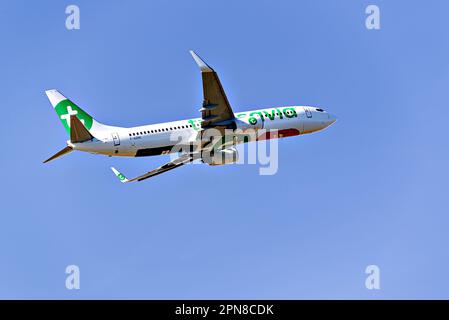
166 167
216 110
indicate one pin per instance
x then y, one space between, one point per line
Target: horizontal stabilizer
64 151
78 132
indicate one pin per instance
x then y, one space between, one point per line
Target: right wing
166 167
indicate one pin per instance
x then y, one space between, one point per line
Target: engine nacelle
225 156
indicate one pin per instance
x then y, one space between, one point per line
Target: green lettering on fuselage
255 116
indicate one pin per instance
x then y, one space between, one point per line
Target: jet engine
221 157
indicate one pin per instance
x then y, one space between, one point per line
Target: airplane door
116 139
308 112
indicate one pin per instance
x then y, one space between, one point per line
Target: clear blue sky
372 189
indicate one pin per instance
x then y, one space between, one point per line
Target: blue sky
372 189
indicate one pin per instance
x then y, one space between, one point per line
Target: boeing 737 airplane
86 134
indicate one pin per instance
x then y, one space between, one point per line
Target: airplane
88 135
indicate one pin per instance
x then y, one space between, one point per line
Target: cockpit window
320 110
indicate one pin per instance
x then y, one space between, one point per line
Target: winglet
119 175
203 65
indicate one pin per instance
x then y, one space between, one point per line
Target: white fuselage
157 139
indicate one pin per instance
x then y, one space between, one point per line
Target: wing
216 110
166 167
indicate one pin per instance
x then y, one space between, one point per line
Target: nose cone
318 120
331 119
